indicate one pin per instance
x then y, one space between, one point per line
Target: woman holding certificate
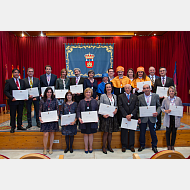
87 105
90 82
140 76
69 130
170 121
108 124
48 103
62 83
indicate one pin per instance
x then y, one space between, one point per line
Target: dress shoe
45 152
132 150
21 128
90 151
123 149
50 151
86 151
158 128
71 150
39 125
29 126
12 130
172 148
141 148
66 150
104 150
155 150
110 149
169 148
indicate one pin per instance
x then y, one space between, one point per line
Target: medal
69 112
87 108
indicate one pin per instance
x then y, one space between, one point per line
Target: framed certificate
147 111
49 116
141 84
89 116
67 119
20 94
76 88
33 91
60 93
44 88
105 109
162 91
176 110
129 124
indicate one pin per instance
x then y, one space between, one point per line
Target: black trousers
172 129
13 109
159 117
36 108
127 138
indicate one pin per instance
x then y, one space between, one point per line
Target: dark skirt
109 124
88 129
69 130
49 127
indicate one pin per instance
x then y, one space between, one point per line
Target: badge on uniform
87 108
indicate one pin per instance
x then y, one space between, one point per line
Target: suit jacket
36 83
59 84
169 82
155 101
43 80
104 99
11 85
126 109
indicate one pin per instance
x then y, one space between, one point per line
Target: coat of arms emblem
89 60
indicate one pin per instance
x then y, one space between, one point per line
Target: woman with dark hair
170 121
90 82
130 74
48 103
69 107
108 124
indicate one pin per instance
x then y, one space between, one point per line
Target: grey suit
155 101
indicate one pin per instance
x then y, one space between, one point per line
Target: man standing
148 99
163 81
75 81
15 105
152 75
48 79
32 82
110 74
128 105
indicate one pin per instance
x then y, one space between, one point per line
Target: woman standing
108 124
90 82
69 107
48 103
130 74
62 83
88 129
171 122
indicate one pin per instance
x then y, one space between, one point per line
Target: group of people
120 91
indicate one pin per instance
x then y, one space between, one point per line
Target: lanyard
172 101
48 104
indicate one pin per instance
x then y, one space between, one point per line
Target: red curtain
132 52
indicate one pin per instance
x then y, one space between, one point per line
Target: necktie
152 81
128 96
31 83
17 84
163 81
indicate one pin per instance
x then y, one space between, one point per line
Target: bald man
128 105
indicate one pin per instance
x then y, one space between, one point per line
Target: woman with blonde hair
171 122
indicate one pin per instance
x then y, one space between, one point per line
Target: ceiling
87 33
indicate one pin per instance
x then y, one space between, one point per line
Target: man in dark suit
111 73
148 99
75 81
15 105
163 81
152 75
32 82
128 105
48 79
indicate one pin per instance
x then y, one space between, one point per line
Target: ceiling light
42 34
154 34
135 34
22 34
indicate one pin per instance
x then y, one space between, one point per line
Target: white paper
49 116
76 88
129 124
176 110
20 94
67 119
147 111
162 91
44 88
60 93
89 116
105 109
33 91
141 84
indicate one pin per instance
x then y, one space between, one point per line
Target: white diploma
147 111
176 110
44 88
141 84
105 109
33 91
129 124
76 88
60 93
89 116
20 94
67 119
49 116
162 91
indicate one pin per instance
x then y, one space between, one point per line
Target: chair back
168 154
35 156
3 157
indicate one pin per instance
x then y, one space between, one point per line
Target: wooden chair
35 156
1 106
165 154
3 157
